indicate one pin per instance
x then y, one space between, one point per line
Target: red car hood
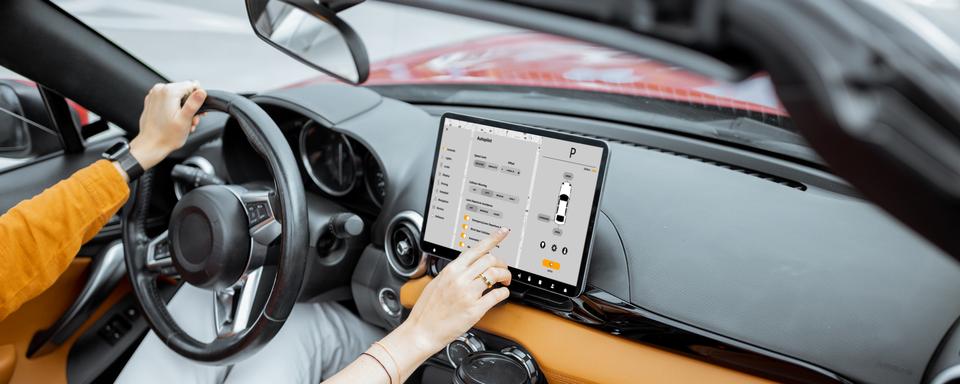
546 61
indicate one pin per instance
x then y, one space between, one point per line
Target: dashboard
711 253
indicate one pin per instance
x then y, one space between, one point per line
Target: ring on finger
486 280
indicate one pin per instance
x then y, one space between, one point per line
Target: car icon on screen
562 203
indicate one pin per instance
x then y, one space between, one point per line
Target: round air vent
402 245
181 188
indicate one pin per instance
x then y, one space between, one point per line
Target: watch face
116 150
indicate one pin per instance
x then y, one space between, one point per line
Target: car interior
711 261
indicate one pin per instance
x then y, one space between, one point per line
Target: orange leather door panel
8 360
42 312
569 352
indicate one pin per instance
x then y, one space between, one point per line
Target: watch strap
120 152
130 165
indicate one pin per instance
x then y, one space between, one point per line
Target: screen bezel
522 276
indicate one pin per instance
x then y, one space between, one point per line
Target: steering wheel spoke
233 306
159 256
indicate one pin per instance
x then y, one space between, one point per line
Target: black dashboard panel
820 277
729 245
812 274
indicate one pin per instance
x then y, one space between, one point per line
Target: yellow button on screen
551 264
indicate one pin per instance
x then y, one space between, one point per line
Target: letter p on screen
573 151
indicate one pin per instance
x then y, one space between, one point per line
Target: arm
453 302
39 237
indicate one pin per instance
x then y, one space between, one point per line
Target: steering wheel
217 240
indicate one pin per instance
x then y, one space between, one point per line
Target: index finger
484 246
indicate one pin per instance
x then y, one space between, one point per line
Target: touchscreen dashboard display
545 186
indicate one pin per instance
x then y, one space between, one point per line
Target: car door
36 151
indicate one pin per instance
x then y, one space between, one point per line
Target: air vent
736 168
402 245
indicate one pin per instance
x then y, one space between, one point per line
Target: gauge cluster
329 159
338 165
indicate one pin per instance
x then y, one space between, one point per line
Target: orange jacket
39 237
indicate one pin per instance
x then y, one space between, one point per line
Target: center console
477 357
474 357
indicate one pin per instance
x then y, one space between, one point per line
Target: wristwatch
120 152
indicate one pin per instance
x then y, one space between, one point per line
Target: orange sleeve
39 237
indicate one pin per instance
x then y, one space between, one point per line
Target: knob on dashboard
490 368
462 347
344 225
524 358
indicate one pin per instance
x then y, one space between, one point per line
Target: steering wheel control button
491 367
258 212
161 250
158 253
209 237
462 347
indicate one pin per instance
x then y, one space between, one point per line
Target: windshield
430 57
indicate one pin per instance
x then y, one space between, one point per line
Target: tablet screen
543 185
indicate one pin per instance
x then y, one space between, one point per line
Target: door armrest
8 362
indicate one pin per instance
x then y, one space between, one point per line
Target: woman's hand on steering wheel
169 115
460 295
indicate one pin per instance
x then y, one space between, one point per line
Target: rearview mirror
312 34
14 133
